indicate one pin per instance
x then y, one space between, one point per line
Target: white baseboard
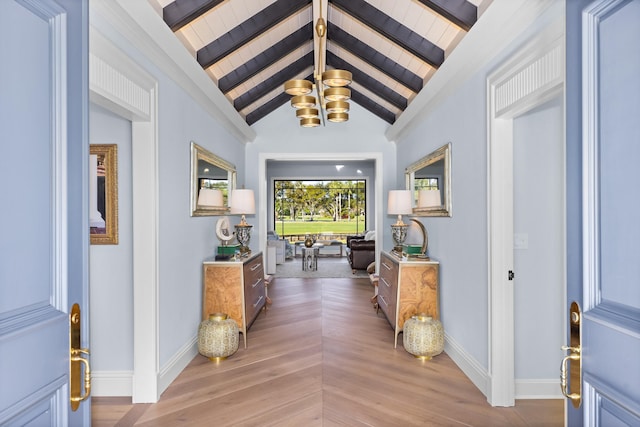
176 365
538 389
111 383
524 388
471 368
120 383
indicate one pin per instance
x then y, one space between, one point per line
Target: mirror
432 172
209 171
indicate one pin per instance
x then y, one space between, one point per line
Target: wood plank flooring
321 356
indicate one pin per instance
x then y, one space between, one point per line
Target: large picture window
319 207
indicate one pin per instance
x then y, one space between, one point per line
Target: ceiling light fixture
330 86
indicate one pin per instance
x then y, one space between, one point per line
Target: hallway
321 356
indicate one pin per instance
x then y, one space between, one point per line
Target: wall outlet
521 241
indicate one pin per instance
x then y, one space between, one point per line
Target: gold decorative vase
308 242
217 337
423 336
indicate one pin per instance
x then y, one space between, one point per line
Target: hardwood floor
321 356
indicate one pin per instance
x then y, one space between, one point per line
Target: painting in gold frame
103 194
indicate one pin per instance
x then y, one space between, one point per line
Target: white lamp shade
210 197
242 202
399 202
429 198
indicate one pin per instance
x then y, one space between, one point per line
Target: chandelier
330 86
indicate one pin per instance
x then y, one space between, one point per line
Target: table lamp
399 204
429 198
243 203
209 197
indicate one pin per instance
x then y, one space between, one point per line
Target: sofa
284 250
361 251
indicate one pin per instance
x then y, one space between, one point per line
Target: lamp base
243 234
399 233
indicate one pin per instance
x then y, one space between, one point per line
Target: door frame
121 86
528 78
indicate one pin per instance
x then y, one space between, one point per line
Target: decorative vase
217 337
308 242
423 336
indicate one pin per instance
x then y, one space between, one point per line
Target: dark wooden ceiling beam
373 107
266 58
248 30
273 82
371 56
179 13
460 12
393 30
267 108
371 84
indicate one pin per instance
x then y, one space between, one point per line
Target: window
319 207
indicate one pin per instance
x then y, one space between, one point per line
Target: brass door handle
79 386
563 377
571 366
76 356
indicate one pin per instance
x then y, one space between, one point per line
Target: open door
44 227
601 373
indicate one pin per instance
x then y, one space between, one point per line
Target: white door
603 211
43 214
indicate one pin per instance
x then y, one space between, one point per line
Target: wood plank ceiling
249 48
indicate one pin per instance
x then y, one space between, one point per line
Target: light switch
521 241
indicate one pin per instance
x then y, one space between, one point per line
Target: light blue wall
111 266
281 135
460 242
538 193
184 241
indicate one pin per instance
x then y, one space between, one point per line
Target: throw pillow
371 235
371 268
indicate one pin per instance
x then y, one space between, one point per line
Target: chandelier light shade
310 122
298 87
307 113
336 78
330 86
338 117
337 107
303 101
337 94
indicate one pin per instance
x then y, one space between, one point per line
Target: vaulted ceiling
250 48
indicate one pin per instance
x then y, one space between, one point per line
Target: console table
407 287
236 288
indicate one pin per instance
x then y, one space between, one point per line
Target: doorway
530 78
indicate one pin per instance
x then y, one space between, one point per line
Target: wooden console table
407 288
236 288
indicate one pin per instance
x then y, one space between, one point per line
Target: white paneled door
603 212
43 216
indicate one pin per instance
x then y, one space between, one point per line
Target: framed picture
103 194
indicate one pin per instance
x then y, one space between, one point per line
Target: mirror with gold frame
432 172
210 172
